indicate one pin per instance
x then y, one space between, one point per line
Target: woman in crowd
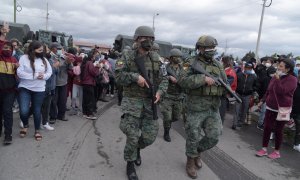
279 94
33 72
232 80
88 74
296 115
50 89
8 66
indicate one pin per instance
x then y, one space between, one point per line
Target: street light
155 14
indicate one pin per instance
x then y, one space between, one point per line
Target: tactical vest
174 89
213 90
152 66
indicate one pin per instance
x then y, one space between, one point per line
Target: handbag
284 113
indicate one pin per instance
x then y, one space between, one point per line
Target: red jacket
90 72
8 66
283 89
231 73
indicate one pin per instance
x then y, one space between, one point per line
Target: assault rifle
140 63
218 81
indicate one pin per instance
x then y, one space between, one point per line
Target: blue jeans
241 110
36 99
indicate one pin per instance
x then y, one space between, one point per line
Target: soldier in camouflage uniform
137 122
203 101
171 106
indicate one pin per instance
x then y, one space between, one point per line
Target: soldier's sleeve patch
186 66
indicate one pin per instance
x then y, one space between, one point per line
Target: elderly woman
279 94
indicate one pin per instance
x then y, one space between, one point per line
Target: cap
248 65
56 45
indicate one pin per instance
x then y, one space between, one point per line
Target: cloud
234 23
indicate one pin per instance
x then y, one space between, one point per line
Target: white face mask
280 73
268 65
59 52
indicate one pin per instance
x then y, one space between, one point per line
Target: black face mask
39 55
146 45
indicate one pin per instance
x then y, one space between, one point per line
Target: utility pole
155 14
15 11
226 47
260 27
47 18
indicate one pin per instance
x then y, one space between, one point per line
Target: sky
234 23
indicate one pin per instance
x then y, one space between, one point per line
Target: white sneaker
297 148
48 127
21 124
107 95
15 110
112 95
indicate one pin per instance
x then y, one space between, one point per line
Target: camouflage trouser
171 111
141 132
210 122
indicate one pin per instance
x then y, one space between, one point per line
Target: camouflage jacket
174 91
197 99
135 97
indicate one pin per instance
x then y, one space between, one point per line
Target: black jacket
246 84
296 101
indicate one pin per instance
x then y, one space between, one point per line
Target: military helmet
155 46
143 31
175 52
206 41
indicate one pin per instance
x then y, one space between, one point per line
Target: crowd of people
36 80
272 85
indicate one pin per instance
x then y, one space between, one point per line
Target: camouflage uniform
171 106
137 123
203 103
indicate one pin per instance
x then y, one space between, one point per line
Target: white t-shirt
30 81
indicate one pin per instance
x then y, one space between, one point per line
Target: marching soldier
171 106
203 101
138 71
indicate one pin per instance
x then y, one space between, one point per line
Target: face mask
6 53
39 55
59 52
209 54
280 73
146 45
268 65
14 52
248 72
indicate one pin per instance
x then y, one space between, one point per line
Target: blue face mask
248 72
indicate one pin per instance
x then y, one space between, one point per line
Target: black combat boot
167 135
131 174
138 160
